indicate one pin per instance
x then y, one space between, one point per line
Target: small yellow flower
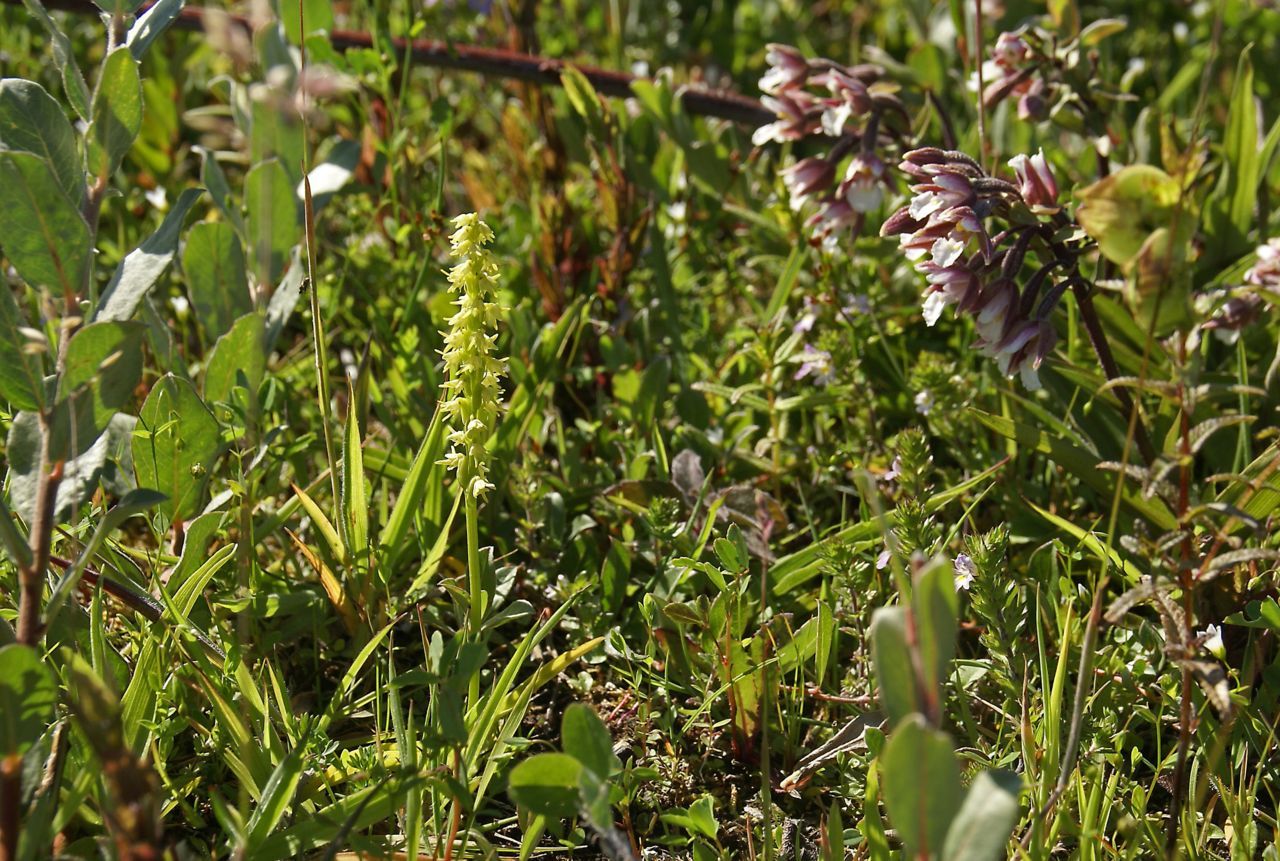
472 400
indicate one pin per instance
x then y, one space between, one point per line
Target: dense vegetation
405 460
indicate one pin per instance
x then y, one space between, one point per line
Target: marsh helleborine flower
472 400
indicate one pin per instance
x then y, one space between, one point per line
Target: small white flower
966 571
1213 641
158 198
924 402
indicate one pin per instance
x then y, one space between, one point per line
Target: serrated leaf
117 112
41 229
921 777
32 121
142 267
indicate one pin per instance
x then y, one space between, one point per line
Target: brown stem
488 61
1101 347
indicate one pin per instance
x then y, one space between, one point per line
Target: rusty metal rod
493 62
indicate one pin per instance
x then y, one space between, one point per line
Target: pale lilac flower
856 303
797 118
924 402
882 561
895 470
833 216
806 178
1265 271
807 319
863 185
850 99
816 362
965 570
1036 182
787 69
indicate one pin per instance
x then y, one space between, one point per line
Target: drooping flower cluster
1244 304
471 394
822 98
1011 71
942 231
1265 272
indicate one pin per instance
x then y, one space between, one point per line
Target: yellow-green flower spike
471 395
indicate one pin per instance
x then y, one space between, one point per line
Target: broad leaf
117 112
29 694
237 359
64 57
1121 210
892 659
981 830
922 791
586 738
142 268
151 24
213 262
547 784
21 369
273 219
32 121
41 229
175 445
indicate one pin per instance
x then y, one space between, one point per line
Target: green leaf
103 366
64 58
317 15
117 112
41 229
424 471
936 607
922 792
273 219
21 371
175 445
892 660
546 784
142 267
585 737
1121 210
151 24
82 466
118 7
215 180
355 497
135 502
277 796
981 829
1229 210
1081 464
238 355
32 121
29 693
1100 29
213 262
285 298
